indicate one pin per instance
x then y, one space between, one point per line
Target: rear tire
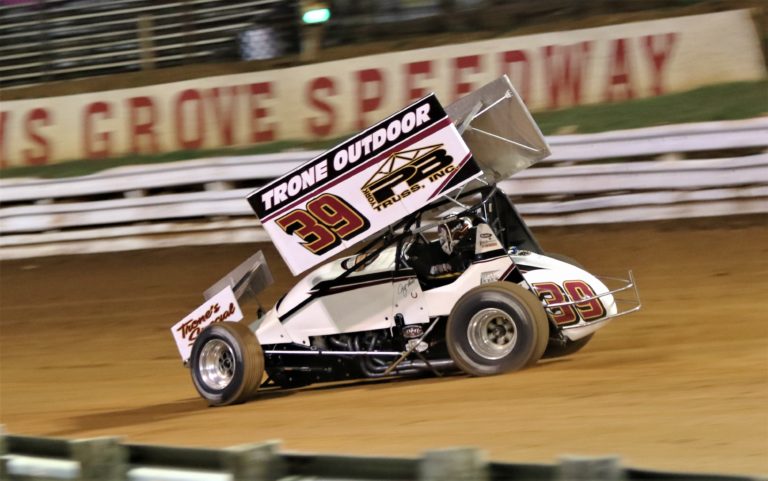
496 328
227 363
570 347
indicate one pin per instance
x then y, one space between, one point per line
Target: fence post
459 464
577 468
101 459
44 40
311 42
146 44
254 462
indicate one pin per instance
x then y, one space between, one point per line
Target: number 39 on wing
324 224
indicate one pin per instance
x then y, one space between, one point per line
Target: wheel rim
217 364
492 333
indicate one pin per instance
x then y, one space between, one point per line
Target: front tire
227 363
496 328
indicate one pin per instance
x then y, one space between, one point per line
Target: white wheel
492 333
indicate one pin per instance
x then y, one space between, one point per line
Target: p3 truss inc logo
406 172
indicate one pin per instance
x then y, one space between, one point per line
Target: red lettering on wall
619 85
260 132
460 64
516 65
42 153
189 110
412 71
96 145
224 115
142 115
4 116
324 125
658 55
564 69
368 80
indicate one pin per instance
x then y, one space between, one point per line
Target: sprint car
445 276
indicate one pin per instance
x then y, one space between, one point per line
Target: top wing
499 130
364 184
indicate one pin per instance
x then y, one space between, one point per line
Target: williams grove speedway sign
332 99
364 184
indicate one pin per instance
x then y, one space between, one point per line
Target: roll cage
487 204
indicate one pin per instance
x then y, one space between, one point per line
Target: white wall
550 70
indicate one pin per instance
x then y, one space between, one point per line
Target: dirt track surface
85 350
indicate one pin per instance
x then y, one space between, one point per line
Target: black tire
570 347
227 363
564 258
496 328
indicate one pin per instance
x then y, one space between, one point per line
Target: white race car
449 277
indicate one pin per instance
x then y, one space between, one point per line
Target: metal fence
24 458
46 40
50 40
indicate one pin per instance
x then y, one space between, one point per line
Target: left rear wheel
227 363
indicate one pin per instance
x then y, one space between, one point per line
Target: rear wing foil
364 184
499 130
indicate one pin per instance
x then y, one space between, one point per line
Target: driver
450 237
453 235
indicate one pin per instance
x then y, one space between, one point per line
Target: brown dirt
86 351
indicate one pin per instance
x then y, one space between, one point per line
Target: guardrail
579 184
670 141
722 181
26 458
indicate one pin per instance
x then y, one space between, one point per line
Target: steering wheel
445 238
